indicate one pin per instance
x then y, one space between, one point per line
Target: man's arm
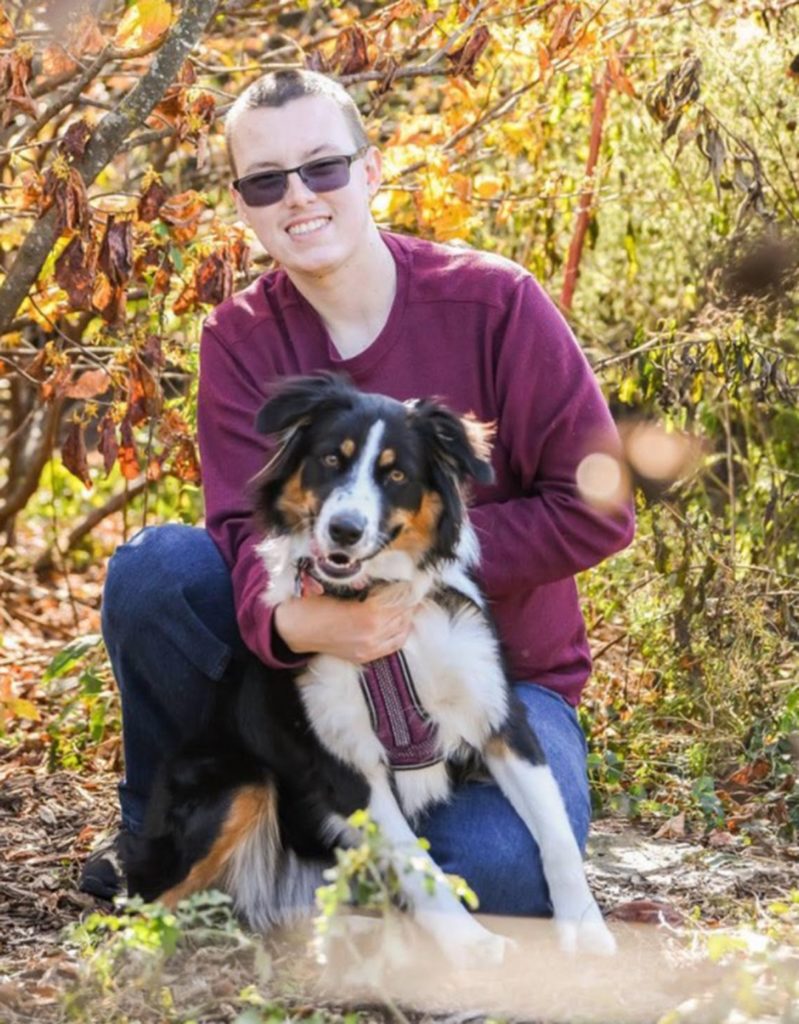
232 453
551 415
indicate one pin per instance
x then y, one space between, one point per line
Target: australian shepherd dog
361 493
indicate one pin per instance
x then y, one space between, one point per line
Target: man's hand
358 631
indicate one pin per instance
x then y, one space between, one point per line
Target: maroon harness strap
402 725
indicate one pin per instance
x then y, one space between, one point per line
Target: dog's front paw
588 935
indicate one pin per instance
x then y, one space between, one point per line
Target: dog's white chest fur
456 670
456 673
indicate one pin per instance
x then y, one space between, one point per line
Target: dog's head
361 476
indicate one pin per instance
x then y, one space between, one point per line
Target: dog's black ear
461 443
297 399
458 449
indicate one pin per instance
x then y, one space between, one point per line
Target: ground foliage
641 159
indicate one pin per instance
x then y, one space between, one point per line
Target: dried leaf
64 186
667 100
31 183
465 58
187 300
151 352
15 71
75 272
713 149
56 61
239 252
109 300
128 459
399 10
143 23
75 139
185 463
107 443
144 393
152 199
6 29
182 212
213 279
89 385
352 51
73 453
647 912
116 250
172 427
56 384
564 29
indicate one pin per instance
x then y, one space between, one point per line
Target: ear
462 444
286 415
458 449
297 399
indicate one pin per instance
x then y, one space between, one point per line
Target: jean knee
137 586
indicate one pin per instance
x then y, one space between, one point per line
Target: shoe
102 874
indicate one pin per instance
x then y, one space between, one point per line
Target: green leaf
66 659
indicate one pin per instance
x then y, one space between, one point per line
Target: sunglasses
324 175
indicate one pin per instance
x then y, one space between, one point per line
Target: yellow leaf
22 708
143 23
487 187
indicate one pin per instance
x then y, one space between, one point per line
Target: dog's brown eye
331 460
396 476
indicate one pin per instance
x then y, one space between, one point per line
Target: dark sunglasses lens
263 189
326 175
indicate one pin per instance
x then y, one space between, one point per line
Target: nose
296 189
346 528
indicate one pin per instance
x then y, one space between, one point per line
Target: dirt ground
650 887
48 822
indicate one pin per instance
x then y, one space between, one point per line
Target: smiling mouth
339 566
308 227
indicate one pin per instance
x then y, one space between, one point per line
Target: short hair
277 88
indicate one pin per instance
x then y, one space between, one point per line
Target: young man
407 318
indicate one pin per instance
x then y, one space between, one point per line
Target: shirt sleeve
232 452
551 414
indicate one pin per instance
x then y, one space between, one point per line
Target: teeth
307 226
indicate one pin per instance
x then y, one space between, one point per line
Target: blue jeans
170 629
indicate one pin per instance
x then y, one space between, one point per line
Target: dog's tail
269 885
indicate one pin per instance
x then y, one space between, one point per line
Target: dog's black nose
346 528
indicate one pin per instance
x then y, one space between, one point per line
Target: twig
114 504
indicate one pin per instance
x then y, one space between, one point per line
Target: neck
354 300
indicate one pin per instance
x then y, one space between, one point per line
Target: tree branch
97 515
109 135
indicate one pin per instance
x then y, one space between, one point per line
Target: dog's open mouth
338 566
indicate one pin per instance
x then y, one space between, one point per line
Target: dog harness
401 723
405 730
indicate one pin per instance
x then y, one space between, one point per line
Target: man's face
309 234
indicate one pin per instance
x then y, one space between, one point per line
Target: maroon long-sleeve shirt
478 332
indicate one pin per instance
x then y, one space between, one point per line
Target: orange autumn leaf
128 459
182 212
6 29
56 61
89 385
213 279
